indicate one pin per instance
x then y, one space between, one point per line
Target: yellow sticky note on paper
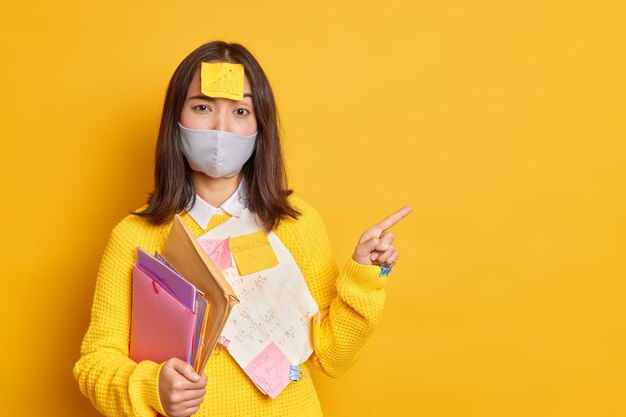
222 79
252 252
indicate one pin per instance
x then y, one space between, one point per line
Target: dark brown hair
264 173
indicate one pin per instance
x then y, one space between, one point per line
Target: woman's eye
202 107
242 112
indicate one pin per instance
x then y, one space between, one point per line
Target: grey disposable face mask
217 153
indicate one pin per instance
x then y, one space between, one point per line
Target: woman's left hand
375 246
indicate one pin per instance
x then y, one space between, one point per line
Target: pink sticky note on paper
219 252
269 370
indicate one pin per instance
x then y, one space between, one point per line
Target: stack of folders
180 300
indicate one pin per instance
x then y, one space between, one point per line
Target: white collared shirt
202 212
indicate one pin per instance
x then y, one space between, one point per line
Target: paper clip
294 373
222 343
385 270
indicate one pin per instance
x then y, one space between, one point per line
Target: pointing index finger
394 218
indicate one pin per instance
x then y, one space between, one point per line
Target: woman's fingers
391 259
186 408
183 368
376 244
180 387
191 403
384 257
364 249
188 412
388 222
384 224
192 395
385 241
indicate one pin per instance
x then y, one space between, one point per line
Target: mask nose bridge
220 120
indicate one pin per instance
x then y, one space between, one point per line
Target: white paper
274 304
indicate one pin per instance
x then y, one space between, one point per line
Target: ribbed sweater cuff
364 277
147 377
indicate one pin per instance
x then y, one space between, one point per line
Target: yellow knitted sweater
351 303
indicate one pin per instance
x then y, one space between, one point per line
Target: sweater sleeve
115 384
351 301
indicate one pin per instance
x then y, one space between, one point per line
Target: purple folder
173 282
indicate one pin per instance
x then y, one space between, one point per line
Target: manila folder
185 254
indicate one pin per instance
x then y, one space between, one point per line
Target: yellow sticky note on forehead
222 79
252 252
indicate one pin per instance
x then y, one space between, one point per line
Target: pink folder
161 326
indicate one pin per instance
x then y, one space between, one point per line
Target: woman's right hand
181 388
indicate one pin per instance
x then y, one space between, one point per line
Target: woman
207 192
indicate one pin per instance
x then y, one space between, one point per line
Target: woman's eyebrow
202 97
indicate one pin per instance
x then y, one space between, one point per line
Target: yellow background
501 122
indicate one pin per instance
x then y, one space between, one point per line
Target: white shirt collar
202 212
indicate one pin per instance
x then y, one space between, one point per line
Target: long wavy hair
264 173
